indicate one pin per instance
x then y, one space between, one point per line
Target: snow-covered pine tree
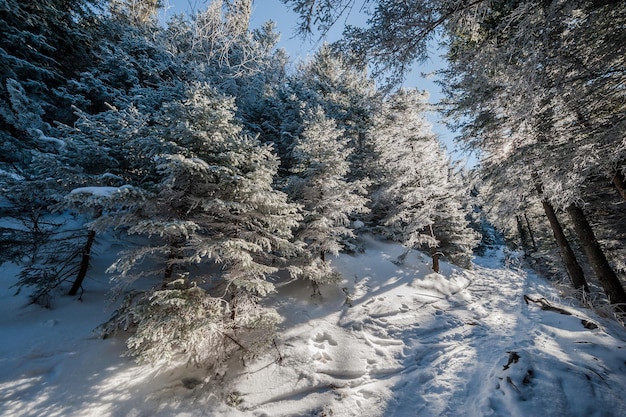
255 88
348 96
42 242
417 198
452 228
216 228
90 153
319 182
44 45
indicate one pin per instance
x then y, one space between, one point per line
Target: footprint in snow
320 342
324 338
322 356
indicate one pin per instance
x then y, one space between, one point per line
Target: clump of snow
110 176
45 138
391 340
12 175
358 224
96 191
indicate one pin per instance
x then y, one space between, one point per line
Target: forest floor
390 340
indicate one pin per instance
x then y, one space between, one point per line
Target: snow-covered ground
392 340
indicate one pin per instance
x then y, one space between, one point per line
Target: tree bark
574 270
572 266
522 233
620 184
233 305
86 257
84 263
605 274
435 254
530 232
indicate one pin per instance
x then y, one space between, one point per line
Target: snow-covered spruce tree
216 228
254 89
589 47
50 246
402 202
457 239
43 44
58 242
95 149
216 45
46 245
587 117
417 198
239 62
348 96
36 41
513 149
319 183
90 153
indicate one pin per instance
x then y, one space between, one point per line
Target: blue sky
264 10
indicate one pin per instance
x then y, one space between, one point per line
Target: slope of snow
392 340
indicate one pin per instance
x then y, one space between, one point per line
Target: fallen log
545 305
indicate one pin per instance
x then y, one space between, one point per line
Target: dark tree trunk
86 256
316 286
523 235
84 263
574 270
620 184
572 266
435 255
233 306
434 252
530 233
605 274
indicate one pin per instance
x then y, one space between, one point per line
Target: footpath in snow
392 340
